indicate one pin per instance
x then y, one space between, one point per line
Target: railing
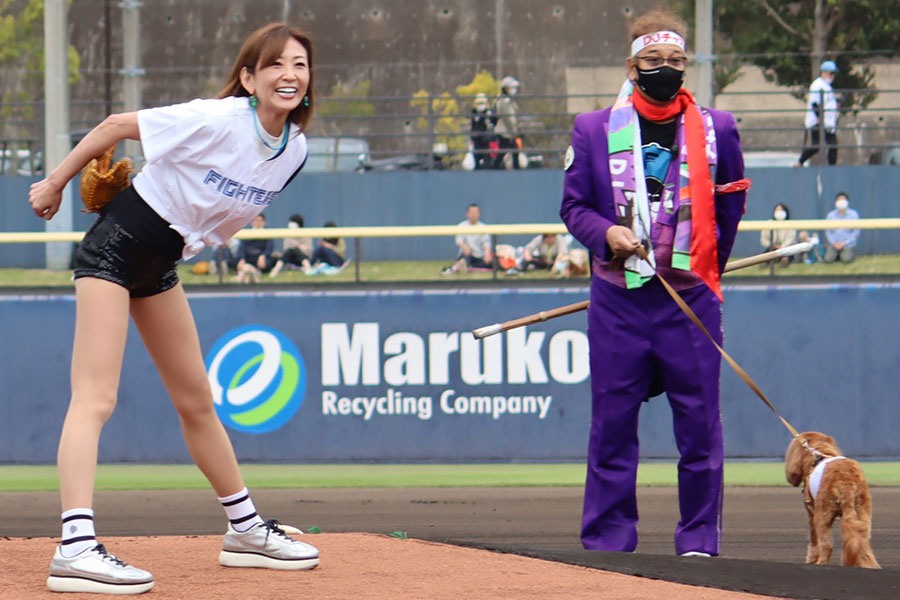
358 233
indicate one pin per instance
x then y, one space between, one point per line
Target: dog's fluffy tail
857 552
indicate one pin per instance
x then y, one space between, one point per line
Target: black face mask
660 84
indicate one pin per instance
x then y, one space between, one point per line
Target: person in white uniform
212 165
821 105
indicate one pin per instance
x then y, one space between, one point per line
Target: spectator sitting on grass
814 254
328 257
226 256
575 263
779 238
543 252
475 250
256 255
297 250
841 242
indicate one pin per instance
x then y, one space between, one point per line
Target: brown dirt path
365 566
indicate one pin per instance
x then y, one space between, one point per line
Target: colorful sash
691 199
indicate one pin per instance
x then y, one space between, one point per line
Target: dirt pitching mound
354 565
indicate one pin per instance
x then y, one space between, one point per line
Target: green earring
306 101
253 100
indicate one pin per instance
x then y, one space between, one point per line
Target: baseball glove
100 183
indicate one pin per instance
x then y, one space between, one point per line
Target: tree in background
448 116
482 83
442 121
22 67
545 121
341 108
789 39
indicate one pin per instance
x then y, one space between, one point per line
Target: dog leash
734 365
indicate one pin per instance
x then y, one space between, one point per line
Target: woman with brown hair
211 166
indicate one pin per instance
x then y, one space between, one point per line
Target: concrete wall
399 46
554 47
533 196
395 375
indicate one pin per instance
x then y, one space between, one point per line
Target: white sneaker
96 570
694 553
266 545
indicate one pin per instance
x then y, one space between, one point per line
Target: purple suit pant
642 343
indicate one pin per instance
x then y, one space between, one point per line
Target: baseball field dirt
469 543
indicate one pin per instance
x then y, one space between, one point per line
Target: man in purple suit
642 173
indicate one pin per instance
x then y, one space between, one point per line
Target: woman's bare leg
167 327
101 328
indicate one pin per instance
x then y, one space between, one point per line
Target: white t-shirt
477 242
820 90
207 173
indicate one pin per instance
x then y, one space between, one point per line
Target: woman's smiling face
280 86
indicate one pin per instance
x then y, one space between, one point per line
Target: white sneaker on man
266 545
96 570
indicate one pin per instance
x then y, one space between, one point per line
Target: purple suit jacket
587 205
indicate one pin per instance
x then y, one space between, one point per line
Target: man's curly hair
658 20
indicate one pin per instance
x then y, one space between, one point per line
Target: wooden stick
544 315
484 332
767 256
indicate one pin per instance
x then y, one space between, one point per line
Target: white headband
659 37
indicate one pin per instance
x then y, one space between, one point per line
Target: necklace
284 138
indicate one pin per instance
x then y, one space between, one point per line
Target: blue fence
532 196
395 376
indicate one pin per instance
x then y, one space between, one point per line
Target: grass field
414 271
21 478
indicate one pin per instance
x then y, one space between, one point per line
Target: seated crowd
251 258
840 244
548 251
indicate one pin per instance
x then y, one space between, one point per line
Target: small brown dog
833 486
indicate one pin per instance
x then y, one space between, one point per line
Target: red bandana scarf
704 247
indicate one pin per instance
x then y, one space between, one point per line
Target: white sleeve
171 130
534 244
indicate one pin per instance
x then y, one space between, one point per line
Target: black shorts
132 246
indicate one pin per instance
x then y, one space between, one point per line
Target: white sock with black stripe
240 510
77 531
